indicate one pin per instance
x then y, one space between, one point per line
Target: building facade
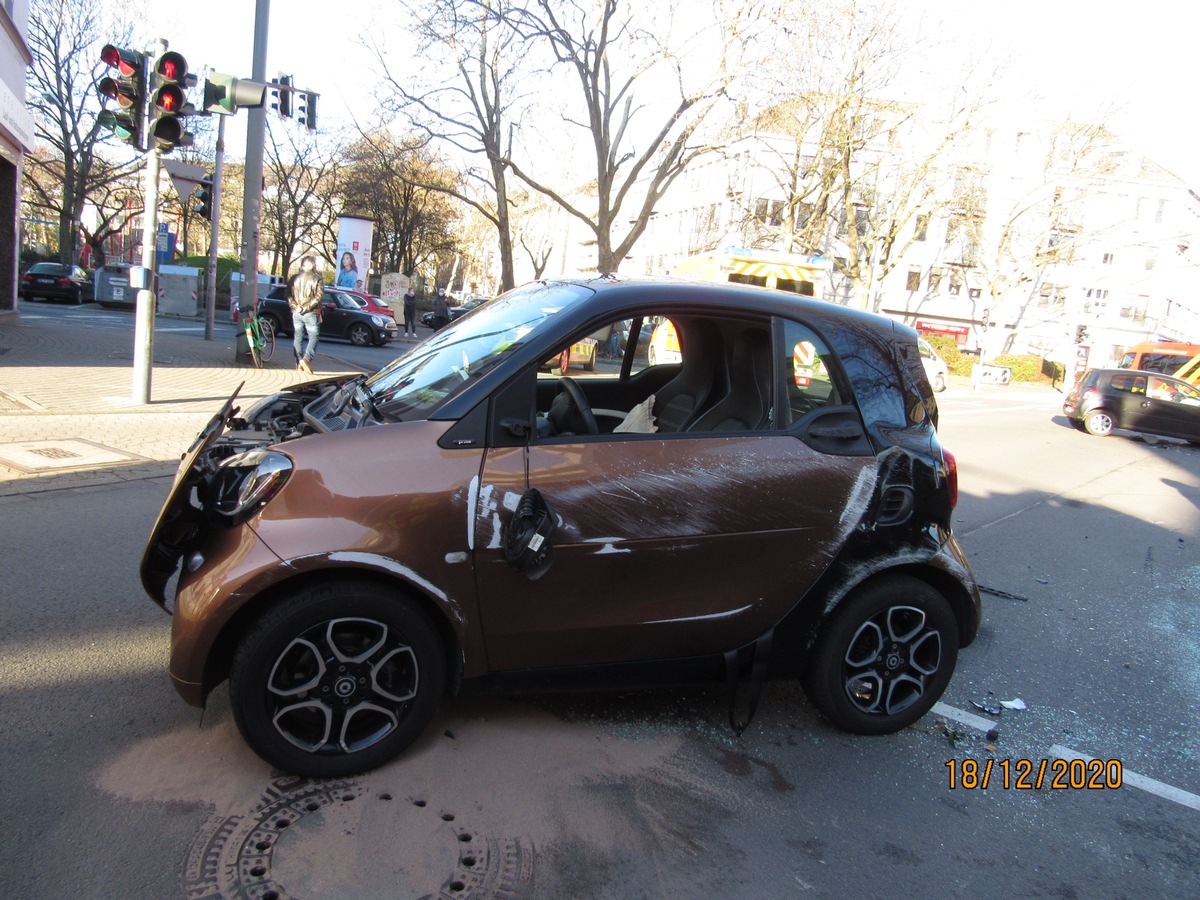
16 139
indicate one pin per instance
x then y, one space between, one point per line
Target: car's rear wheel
359 334
336 679
884 657
1099 422
939 382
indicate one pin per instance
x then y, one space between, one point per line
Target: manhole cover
33 457
305 839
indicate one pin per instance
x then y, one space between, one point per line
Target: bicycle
260 335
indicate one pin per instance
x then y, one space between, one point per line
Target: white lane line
1133 779
1128 777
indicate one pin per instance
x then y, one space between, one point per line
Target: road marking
1129 777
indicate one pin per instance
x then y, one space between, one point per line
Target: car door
336 315
667 546
1171 408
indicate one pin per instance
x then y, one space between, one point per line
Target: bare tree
1036 224
855 170
463 97
384 180
65 38
298 203
616 67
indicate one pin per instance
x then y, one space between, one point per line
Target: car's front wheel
939 382
1099 422
884 657
336 679
359 334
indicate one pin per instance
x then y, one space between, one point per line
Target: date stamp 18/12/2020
1035 774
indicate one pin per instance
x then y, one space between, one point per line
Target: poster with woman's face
354 253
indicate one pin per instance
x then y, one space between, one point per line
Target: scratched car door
666 546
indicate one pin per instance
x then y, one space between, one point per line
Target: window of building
769 212
935 279
922 227
914 280
975 293
1107 259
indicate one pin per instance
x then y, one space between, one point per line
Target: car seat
748 404
677 402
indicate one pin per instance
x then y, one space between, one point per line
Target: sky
1133 66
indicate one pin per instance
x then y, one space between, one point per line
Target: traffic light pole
210 312
143 334
256 123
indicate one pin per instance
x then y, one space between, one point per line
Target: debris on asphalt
993 735
950 734
991 707
1015 703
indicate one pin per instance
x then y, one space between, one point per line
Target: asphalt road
113 787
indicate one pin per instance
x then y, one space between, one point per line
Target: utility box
178 290
112 287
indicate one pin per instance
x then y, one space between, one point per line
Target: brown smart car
774 503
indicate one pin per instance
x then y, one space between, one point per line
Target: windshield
414 385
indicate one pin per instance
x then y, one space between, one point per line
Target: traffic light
306 111
226 94
987 313
203 207
127 90
168 103
283 91
1081 334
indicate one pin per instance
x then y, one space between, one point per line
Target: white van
935 366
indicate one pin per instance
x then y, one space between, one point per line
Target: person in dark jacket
410 313
441 311
304 298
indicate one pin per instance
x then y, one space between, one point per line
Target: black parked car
343 318
1149 402
57 281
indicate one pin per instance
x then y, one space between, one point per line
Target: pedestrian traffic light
168 102
306 109
226 94
203 207
1081 334
283 91
127 90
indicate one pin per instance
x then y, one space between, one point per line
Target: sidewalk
67 415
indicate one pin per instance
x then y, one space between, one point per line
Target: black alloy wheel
884 657
336 679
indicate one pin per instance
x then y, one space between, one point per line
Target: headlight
378 320
242 484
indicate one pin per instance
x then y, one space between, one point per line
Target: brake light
64 282
951 476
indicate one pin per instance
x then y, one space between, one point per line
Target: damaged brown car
774 504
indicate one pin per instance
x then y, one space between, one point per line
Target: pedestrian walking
410 313
304 298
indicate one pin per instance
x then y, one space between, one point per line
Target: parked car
1106 399
371 304
664 344
342 317
717 519
456 312
57 281
935 367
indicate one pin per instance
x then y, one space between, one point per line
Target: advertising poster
354 252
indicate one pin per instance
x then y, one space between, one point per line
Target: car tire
590 366
939 383
1099 422
275 323
884 656
359 335
79 296
336 679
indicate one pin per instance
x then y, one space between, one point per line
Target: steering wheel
575 393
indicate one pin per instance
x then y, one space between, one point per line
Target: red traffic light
172 67
169 99
127 62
